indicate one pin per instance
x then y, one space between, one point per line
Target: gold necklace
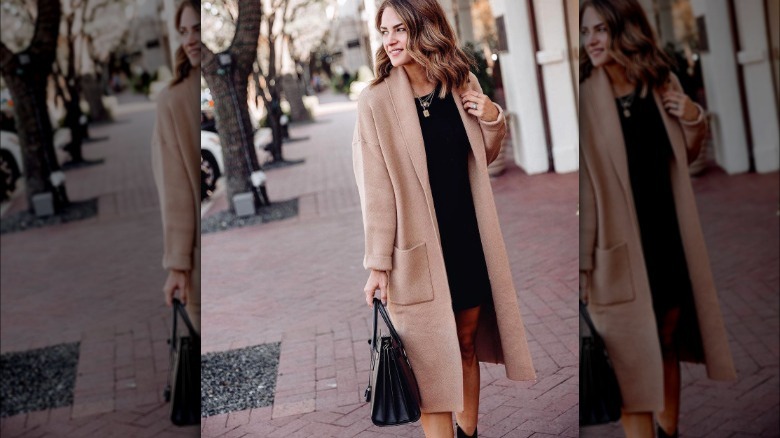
625 102
425 101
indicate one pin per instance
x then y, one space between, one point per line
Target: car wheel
9 174
209 174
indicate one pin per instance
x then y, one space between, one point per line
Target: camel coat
176 168
402 237
617 288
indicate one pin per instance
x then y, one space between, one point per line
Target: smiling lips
596 52
395 52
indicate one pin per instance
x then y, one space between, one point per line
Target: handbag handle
178 307
379 308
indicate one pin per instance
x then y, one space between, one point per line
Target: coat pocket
612 282
410 278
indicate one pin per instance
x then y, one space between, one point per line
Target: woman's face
394 38
189 35
595 37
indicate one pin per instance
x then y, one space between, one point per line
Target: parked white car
11 164
212 162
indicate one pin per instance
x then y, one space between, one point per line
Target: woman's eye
401 29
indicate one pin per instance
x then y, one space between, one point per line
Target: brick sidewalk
739 215
300 282
97 282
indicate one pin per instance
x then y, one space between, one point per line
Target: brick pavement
739 215
98 282
300 282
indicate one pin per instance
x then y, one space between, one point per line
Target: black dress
649 155
447 149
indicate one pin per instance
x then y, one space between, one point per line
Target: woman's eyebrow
397 25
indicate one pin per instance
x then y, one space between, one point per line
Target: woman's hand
479 105
177 280
680 105
376 280
585 285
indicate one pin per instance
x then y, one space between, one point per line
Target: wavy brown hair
432 43
183 65
632 43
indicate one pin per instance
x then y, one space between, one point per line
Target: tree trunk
24 73
93 93
274 108
228 86
273 111
73 114
294 94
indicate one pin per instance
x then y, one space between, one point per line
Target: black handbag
392 387
600 399
183 389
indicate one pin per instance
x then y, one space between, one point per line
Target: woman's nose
191 38
589 40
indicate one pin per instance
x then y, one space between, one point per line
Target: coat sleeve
174 190
492 132
695 132
377 198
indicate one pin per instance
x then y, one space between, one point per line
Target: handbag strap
380 309
178 307
586 317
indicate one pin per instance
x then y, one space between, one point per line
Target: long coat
402 237
176 169
617 287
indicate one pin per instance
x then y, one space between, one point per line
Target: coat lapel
472 128
673 131
402 99
602 102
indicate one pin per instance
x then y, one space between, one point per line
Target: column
169 9
374 38
521 87
665 22
721 84
754 57
450 10
553 56
465 26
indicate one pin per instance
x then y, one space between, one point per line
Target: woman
643 263
176 165
424 137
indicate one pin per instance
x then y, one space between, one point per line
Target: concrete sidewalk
97 282
300 282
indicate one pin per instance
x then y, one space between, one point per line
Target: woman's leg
669 417
637 424
437 425
466 321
